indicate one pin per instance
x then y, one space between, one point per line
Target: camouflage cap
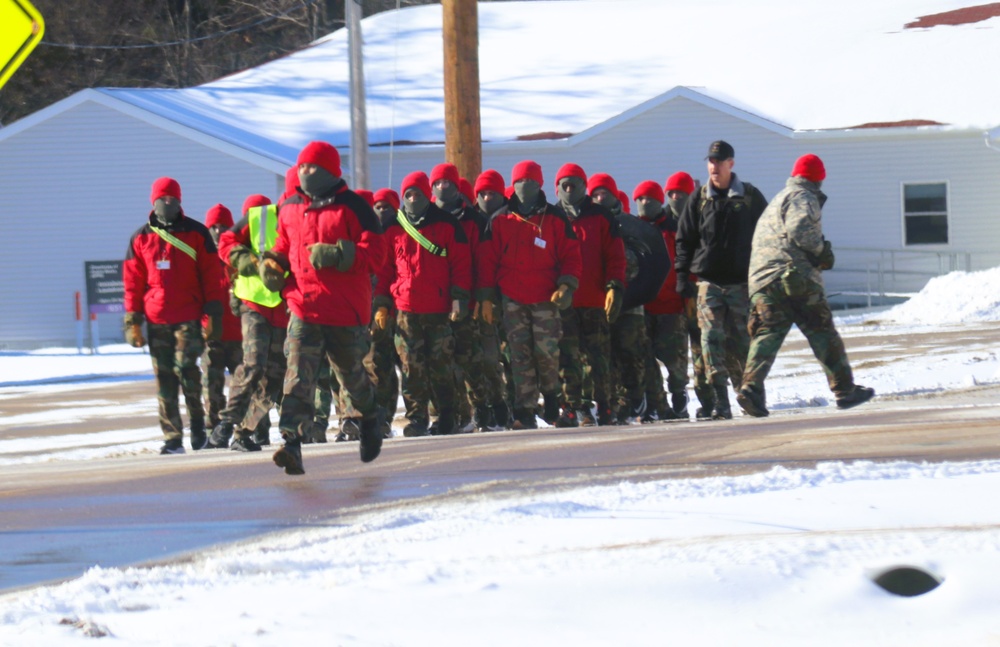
720 150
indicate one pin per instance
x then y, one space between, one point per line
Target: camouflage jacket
790 231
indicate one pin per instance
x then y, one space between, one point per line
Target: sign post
21 28
105 293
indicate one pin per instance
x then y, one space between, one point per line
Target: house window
925 213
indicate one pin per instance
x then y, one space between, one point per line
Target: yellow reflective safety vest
263 225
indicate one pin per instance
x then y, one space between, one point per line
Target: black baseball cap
720 150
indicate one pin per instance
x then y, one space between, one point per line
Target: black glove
825 261
213 310
323 255
684 287
272 275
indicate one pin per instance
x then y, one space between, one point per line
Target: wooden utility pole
359 120
462 133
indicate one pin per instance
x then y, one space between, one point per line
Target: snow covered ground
781 557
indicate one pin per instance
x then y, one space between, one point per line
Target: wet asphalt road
59 518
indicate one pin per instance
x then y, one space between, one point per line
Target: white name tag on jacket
163 265
539 242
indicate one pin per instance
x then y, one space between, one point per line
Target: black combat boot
219 439
199 439
172 446
524 419
722 411
290 455
568 419
415 428
752 402
244 442
447 424
550 409
501 416
679 404
350 429
859 395
371 436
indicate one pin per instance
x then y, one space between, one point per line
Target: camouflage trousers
533 334
668 337
175 350
426 349
772 317
477 362
308 346
702 387
725 342
630 349
585 343
219 357
382 362
256 383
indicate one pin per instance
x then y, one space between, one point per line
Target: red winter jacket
667 301
166 284
526 257
328 296
415 279
239 234
602 253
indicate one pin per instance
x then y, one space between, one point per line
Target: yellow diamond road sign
21 28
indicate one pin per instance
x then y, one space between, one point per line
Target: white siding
74 188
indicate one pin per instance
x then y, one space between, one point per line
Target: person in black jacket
714 238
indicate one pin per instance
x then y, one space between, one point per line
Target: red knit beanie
466 188
291 180
526 170
446 171
367 196
680 181
387 195
489 180
509 191
810 167
648 189
322 155
602 181
570 170
165 186
255 200
623 198
219 215
419 180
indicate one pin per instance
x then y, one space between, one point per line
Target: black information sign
105 288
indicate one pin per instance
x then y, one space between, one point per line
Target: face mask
418 206
216 232
489 205
318 184
166 213
385 213
527 192
649 208
677 204
572 190
445 194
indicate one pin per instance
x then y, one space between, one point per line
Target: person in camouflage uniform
172 278
786 284
255 386
330 242
664 319
226 353
714 235
489 390
586 327
472 376
428 278
530 263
